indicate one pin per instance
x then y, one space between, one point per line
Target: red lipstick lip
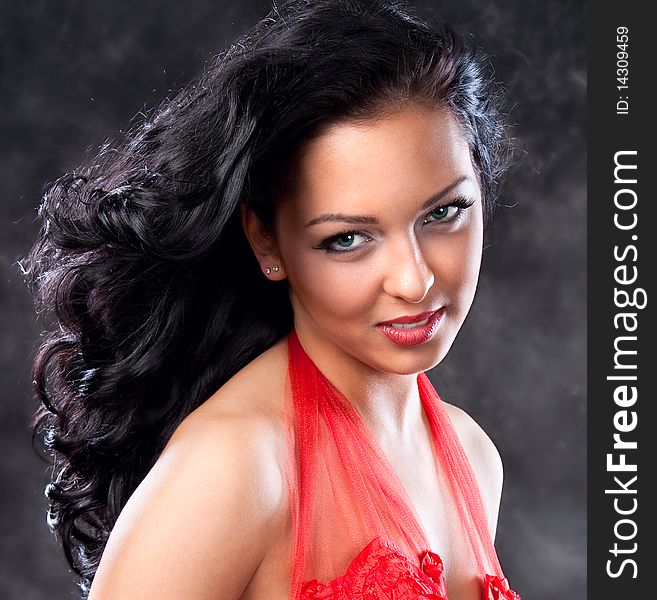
413 335
411 319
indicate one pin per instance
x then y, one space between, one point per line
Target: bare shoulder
476 442
484 458
200 523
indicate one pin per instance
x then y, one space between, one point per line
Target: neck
389 403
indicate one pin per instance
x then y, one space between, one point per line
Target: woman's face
383 220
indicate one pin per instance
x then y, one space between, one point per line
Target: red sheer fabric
355 532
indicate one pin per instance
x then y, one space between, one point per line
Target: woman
247 292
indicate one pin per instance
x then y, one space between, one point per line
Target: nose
407 274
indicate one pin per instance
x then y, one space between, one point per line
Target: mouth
409 322
414 329
409 325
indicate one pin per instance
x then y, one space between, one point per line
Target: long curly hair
151 295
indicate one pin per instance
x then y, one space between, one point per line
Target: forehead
365 168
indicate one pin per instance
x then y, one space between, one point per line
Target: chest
272 581
428 496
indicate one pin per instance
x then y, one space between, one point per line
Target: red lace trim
381 572
496 588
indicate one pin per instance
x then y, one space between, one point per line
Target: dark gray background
74 72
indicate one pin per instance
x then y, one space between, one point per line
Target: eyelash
461 203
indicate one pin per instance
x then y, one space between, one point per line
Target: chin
417 359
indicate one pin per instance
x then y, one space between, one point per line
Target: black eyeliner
324 245
461 202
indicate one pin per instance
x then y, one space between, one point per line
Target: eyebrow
362 219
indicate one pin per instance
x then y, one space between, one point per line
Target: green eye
440 213
345 241
444 213
449 213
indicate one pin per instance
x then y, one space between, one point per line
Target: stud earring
267 270
275 268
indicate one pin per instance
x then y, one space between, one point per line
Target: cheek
330 288
456 261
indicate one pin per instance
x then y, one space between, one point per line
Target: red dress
356 535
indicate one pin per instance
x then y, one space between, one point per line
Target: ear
263 244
